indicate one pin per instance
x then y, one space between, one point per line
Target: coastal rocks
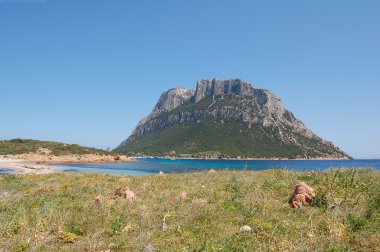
42 157
303 195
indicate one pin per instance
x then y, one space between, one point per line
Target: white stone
245 229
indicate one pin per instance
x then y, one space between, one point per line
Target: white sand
20 166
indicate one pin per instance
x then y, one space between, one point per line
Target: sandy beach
21 166
32 163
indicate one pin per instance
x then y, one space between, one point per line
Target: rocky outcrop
65 159
168 101
221 87
303 195
172 99
230 101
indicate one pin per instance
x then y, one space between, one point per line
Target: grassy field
23 146
202 211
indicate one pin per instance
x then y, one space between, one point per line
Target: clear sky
86 71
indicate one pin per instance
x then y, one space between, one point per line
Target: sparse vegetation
56 212
23 146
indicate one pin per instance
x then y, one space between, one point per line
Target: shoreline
42 164
247 159
21 166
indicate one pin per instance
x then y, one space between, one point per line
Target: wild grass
203 212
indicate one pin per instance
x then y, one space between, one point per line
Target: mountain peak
173 98
207 87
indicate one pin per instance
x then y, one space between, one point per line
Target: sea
148 166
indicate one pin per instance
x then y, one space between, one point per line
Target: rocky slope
225 118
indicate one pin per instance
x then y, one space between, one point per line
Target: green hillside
227 139
23 146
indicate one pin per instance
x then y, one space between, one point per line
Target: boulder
183 196
303 195
98 200
129 195
245 229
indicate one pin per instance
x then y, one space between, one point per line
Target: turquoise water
147 166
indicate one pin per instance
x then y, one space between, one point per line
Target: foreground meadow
190 212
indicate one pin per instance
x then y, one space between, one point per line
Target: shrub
76 227
355 222
320 200
69 237
21 247
117 225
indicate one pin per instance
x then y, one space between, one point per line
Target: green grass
23 146
56 212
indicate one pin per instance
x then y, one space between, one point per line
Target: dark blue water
5 171
154 165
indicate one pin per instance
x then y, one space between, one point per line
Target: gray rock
173 98
246 104
256 105
221 87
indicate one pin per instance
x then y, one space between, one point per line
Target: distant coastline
32 163
34 156
241 159
13 165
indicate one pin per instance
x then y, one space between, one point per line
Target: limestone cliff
228 118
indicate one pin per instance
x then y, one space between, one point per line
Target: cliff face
173 98
231 109
221 87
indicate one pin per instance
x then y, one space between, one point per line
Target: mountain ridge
258 112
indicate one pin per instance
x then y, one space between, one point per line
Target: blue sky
86 71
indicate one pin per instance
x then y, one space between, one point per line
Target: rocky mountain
225 118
